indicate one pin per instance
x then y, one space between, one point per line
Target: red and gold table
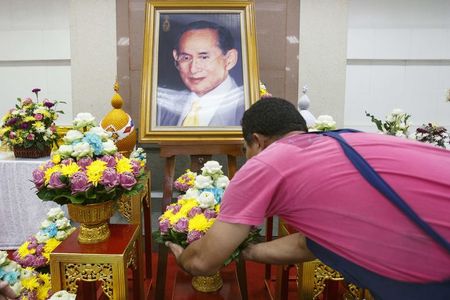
107 262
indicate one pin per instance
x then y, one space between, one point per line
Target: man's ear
231 59
261 140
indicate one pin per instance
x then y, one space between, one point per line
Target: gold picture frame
166 63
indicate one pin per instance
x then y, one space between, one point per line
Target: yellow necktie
192 117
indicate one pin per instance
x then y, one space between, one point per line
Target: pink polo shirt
307 180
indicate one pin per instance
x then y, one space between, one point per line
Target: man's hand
6 291
176 249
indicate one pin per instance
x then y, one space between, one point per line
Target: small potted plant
29 128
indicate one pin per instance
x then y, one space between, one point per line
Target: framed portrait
200 70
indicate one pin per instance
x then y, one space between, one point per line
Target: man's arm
207 255
289 249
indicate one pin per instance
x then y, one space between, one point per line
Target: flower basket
32 152
93 219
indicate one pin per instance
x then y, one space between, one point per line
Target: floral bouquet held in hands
194 213
29 128
87 169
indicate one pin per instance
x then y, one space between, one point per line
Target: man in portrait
204 53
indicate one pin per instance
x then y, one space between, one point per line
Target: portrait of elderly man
204 53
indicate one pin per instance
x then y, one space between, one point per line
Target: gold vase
207 284
93 219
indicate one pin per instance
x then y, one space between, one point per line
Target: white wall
93 45
322 58
35 52
398 57
67 48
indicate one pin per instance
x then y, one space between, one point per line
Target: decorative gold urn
207 284
93 219
120 125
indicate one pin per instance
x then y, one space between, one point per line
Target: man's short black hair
225 39
271 117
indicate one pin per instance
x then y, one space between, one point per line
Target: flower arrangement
195 211
26 283
31 124
87 168
324 123
10 272
432 134
35 285
396 123
35 251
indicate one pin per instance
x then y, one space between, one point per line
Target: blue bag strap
383 187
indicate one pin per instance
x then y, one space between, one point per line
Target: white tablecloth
21 211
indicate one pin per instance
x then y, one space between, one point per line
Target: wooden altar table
107 261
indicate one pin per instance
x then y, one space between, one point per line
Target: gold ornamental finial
116 100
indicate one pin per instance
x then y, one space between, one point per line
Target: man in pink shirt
342 219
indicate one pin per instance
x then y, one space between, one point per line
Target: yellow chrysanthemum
217 208
51 244
188 205
29 119
95 171
42 292
6 117
30 283
38 124
24 251
174 218
70 169
48 173
200 223
56 158
45 278
124 165
166 215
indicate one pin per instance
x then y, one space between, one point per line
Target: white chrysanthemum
65 150
203 182
84 120
211 167
192 193
102 133
109 147
206 200
55 213
17 287
61 235
45 224
82 149
3 257
222 182
41 237
12 266
73 136
62 223
26 273
62 295
397 112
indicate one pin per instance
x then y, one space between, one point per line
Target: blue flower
95 141
2 273
11 277
51 230
217 192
